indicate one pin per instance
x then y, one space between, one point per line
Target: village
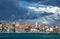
17 27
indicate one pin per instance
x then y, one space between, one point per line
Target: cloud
31 0
10 7
45 14
36 12
44 10
47 20
48 9
45 2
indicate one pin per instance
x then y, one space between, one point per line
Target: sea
29 36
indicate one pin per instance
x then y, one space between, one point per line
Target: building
0 27
10 27
58 28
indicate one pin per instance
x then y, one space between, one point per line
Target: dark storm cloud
32 0
46 2
11 10
11 7
52 2
46 14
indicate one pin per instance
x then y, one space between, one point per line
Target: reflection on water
30 36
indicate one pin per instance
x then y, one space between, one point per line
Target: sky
31 11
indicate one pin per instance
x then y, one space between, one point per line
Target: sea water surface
28 36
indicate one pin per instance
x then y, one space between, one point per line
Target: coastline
15 34
30 33
27 28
